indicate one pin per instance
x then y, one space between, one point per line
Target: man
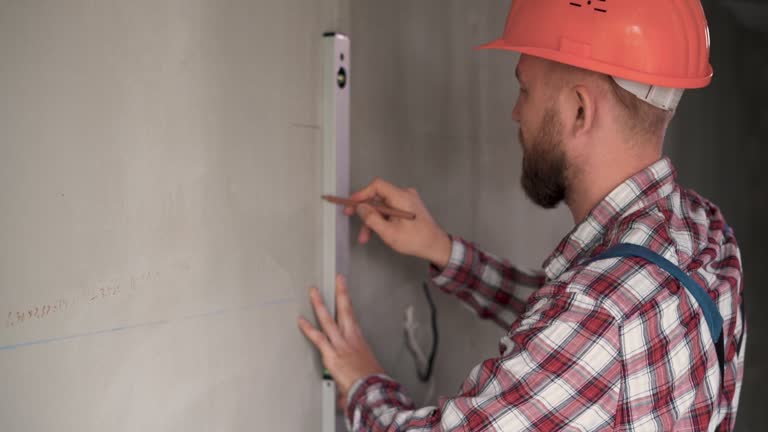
637 323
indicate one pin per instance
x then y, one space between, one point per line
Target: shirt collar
647 186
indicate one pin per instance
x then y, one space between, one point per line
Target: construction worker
637 322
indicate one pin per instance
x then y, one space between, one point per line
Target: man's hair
640 116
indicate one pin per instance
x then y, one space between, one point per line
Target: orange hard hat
656 42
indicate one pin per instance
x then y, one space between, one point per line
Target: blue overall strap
706 304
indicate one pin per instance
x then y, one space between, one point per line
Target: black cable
424 376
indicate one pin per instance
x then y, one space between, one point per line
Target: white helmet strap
665 98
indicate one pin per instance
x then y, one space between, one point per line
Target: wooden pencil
379 206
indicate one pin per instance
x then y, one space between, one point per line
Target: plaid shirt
615 344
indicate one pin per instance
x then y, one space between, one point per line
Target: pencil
380 207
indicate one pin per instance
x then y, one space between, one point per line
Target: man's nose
516 112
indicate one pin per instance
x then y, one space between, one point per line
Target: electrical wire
433 320
424 364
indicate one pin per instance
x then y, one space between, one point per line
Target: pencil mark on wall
305 126
103 291
149 324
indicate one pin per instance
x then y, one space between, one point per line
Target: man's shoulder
620 286
683 227
672 227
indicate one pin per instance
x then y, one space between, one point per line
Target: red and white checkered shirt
616 344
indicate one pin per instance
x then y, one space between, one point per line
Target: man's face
540 134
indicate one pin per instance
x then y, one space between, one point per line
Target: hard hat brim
602 67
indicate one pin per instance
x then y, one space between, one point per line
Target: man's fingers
327 322
317 337
374 220
379 187
365 235
343 304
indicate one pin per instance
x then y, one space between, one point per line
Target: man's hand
421 237
345 353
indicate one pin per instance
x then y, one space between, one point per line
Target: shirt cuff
442 278
379 390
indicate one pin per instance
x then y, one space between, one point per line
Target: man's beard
544 164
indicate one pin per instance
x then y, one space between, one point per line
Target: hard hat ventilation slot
601 9
589 3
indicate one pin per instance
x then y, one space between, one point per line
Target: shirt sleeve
560 367
490 286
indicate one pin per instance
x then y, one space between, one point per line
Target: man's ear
580 111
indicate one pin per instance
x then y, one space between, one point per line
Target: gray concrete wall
160 222
431 113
